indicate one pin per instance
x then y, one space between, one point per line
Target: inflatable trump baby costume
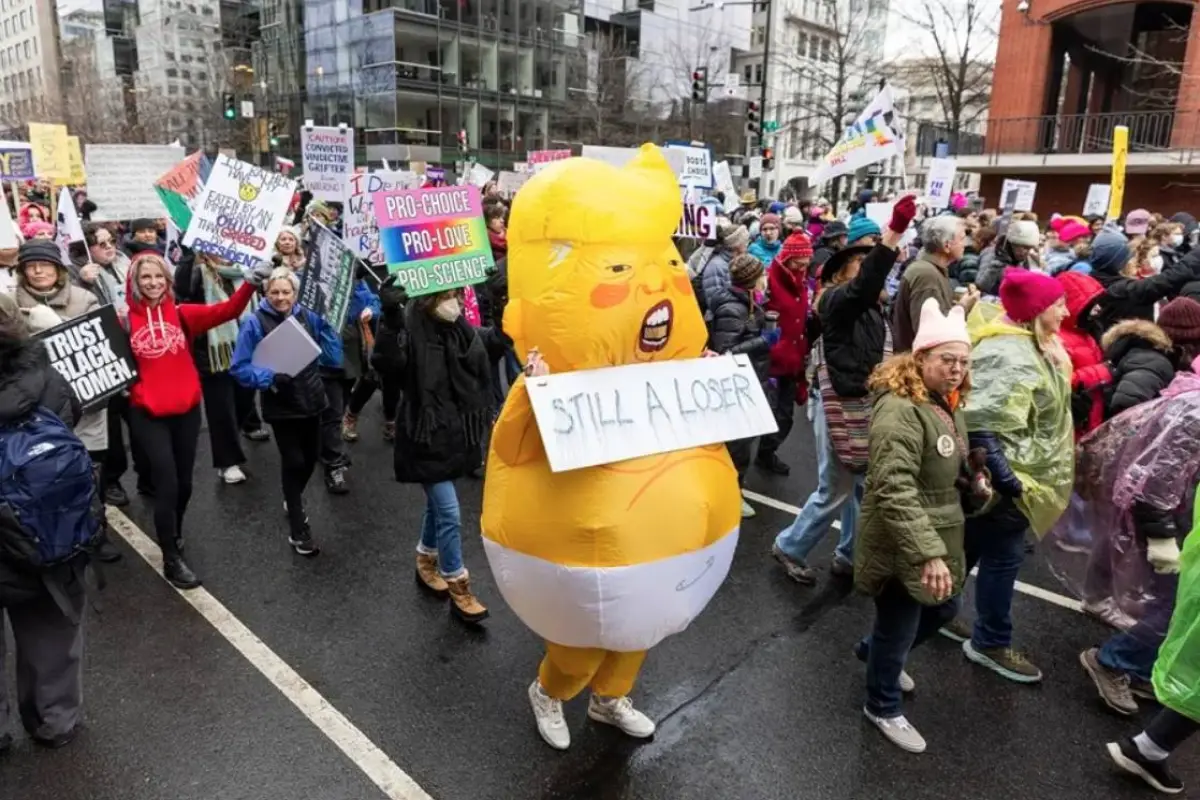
602 562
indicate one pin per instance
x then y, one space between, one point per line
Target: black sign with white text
92 352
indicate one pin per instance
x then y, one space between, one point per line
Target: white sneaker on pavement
899 731
232 475
907 684
620 713
549 716
747 510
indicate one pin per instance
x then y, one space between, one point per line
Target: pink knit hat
1071 230
1025 294
936 328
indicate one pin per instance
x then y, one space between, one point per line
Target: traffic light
464 146
273 135
230 106
700 85
753 120
768 158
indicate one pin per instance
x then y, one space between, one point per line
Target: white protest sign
755 167
697 165
521 167
67 228
602 416
1096 203
287 350
697 222
479 175
620 156
240 212
1025 193
360 231
328 158
9 238
941 182
723 181
508 183
121 178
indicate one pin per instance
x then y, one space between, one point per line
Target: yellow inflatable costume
602 562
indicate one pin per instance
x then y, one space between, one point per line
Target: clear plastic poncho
1177 670
1022 398
1149 454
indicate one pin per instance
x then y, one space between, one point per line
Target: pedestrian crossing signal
230 106
700 85
753 120
768 158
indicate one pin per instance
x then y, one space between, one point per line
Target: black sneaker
1155 773
335 481
258 435
55 742
302 542
773 463
108 553
179 574
115 496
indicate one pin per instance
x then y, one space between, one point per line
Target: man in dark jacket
48 636
832 239
1133 298
143 235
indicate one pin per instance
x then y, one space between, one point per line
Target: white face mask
448 310
1156 262
1176 239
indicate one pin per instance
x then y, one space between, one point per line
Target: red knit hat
1025 294
798 245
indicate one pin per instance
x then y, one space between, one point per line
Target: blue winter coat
764 251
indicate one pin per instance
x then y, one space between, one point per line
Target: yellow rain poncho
1177 670
1026 402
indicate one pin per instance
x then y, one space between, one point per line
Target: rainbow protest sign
435 238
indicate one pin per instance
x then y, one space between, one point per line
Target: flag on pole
862 144
68 229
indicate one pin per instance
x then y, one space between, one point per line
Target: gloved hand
256 276
772 336
1163 555
903 213
392 296
281 381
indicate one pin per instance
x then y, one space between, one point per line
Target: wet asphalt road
760 698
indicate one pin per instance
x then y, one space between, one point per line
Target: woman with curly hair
910 554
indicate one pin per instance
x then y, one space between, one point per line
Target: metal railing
1076 134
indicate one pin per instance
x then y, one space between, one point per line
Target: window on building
172 89
172 72
803 48
28 49
825 50
758 74
35 50
747 72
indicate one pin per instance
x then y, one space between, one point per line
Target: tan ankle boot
428 577
463 604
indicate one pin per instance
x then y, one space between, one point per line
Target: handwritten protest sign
508 183
179 187
121 178
941 182
240 211
16 161
697 164
78 175
51 151
360 230
434 238
1026 191
328 279
328 159
697 222
1096 202
601 416
92 352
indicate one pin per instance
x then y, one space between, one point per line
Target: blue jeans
901 623
838 489
1135 651
441 530
996 543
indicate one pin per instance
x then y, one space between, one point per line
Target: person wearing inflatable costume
602 562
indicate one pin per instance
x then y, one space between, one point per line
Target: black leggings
1169 729
169 446
230 410
299 443
365 388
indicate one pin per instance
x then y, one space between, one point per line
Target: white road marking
1024 588
382 771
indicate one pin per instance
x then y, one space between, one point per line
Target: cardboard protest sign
327 157
240 212
16 161
180 185
698 222
360 230
697 164
434 238
601 416
121 178
78 175
328 278
92 352
51 151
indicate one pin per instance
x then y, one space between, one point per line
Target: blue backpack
50 510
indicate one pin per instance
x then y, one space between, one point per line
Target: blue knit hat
859 227
1110 251
776 207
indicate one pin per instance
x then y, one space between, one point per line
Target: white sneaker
232 475
899 732
907 684
1108 612
747 510
619 712
549 715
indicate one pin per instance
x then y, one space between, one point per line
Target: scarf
219 284
466 364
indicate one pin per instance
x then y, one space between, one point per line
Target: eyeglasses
950 362
104 243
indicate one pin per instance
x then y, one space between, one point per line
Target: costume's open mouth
656 328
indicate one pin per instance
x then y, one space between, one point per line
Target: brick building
1067 73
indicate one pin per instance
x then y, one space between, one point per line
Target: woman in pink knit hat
1020 415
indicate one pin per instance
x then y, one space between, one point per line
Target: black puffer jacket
1134 298
853 326
1140 355
735 325
965 271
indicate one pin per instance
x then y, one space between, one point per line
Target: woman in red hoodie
1087 399
164 414
787 295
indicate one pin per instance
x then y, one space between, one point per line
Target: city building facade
29 63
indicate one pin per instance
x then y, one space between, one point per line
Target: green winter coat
911 510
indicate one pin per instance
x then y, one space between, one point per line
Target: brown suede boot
463 604
428 577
